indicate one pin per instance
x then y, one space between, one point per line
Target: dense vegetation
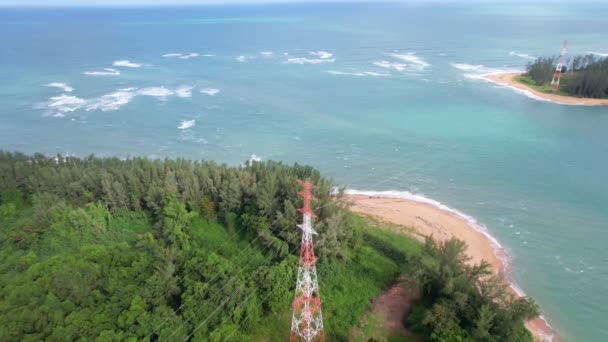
464 302
127 250
587 76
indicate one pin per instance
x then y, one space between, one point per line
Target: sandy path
508 79
442 225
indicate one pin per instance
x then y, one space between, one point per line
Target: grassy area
347 287
545 88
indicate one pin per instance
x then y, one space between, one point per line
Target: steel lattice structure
558 69
307 320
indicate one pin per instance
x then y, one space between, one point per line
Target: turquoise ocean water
378 96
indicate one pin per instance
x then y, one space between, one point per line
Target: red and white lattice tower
307 321
558 69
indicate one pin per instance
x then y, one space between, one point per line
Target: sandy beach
508 80
424 219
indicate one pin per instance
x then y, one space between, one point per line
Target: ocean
381 97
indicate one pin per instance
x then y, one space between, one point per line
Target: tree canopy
103 249
583 76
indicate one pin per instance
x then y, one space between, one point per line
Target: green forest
104 249
585 76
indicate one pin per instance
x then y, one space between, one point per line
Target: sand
426 220
508 79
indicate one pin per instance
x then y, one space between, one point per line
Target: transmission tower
558 69
307 321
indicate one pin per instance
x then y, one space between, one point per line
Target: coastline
428 217
507 79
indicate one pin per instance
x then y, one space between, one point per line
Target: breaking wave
210 91
155 92
61 86
185 124
105 72
391 65
181 55
359 74
58 106
411 58
184 91
127 64
522 55
320 57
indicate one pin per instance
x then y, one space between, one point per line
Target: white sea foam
58 106
210 91
601 54
411 58
105 72
65 104
522 55
127 64
481 72
322 54
155 92
184 91
208 55
108 102
391 65
304 60
241 59
359 74
181 55
185 124
61 86
467 67
267 53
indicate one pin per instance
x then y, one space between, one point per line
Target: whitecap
59 105
390 65
359 74
322 54
112 101
241 59
412 58
267 53
126 63
105 72
61 86
522 55
155 92
181 55
304 60
185 124
184 91
65 103
210 91
467 67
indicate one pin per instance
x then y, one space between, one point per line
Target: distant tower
307 321
558 69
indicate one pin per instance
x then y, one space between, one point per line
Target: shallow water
397 106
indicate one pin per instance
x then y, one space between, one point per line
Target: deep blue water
397 106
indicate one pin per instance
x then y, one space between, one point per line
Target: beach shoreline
507 79
427 218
